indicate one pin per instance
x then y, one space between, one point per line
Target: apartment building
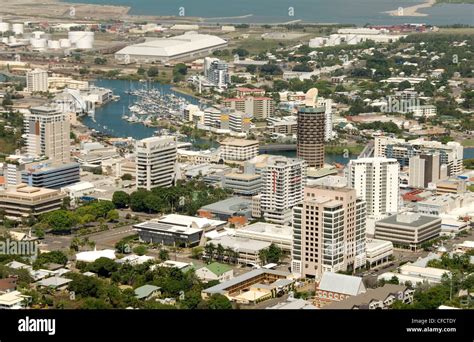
283 181
311 130
260 107
48 133
329 228
376 181
451 154
37 81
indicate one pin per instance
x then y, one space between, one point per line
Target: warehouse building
186 46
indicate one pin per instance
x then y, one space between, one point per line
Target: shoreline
412 11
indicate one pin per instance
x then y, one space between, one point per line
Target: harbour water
108 118
359 12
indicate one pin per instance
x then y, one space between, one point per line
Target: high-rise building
450 154
424 169
376 181
216 72
310 135
283 181
37 81
48 133
156 162
328 229
416 172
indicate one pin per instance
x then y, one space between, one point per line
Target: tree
209 250
112 215
104 267
100 61
56 257
220 252
140 250
127 176
137 200
153 72
121 199
219 302
164 255
59 220
270 255
404 85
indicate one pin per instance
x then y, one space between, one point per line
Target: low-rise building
253 286
147 292
155 232
245 184
247 250
24 201
215 271
14 300
408 230
334 287
379 298
281 236
378 252
232 149
416 274
237 210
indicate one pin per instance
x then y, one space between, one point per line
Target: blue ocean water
358 12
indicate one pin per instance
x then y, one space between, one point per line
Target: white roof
189 221
341 283
11 298
92 256
80 186
169 47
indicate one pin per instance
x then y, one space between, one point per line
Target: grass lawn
468 143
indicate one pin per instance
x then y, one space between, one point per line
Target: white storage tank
18 28
82 39
38 43
12 40
54 44
4 27
65 43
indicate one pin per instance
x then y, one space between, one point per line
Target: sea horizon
308 11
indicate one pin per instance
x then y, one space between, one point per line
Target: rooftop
410 220
239 142
341 283
217 268
173 46
240 244
145 291
229 206
219 288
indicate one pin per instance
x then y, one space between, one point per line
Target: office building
170 235
376 182
450 154
156 162
283 181
311 128
48 134
246 250
51 176
245 184
408 230
232 149
25 201
37 81
329 228
237 210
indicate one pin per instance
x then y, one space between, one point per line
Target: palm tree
220 252
209 249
